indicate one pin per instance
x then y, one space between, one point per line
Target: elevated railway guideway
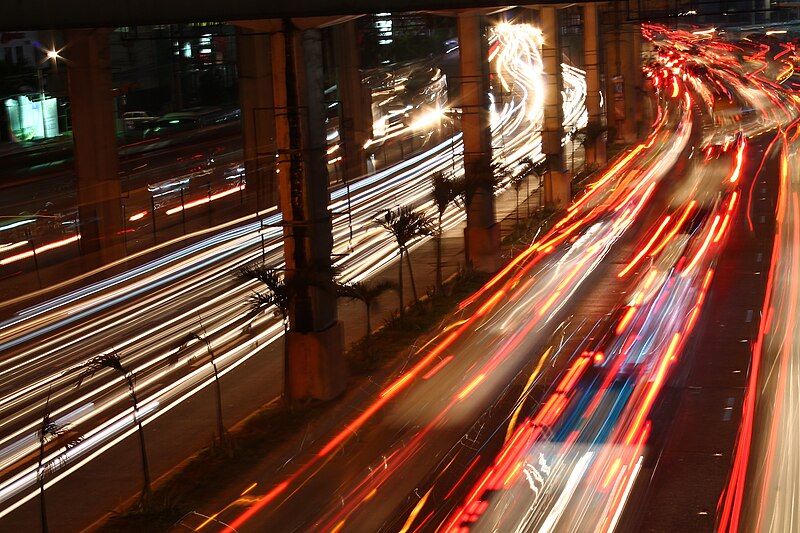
52 14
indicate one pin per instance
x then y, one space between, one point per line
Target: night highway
633 366
143 313
531 410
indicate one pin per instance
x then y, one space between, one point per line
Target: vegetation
263 433
112 361
444 192
279 426
367 292
173 359
405 225
278 293
48 432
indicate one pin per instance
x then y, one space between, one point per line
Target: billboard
32 119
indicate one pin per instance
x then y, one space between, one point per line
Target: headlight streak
181 274
679 301
492 311
765 496
103 437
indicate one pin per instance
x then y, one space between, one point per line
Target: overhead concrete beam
307 23
58 14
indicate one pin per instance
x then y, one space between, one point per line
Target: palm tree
48 432
279 293
367 292
48 429
444 192
405 224
174 359
112 361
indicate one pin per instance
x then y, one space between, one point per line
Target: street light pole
50 55
41 99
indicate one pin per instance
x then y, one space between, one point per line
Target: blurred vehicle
191 119
174 123
136 120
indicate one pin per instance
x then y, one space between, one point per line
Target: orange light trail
626 319
432 372
549 302
722 227
490 303
552 408
205 200
644 250
730 504
675 229
611 473
732 203
702 249
607 176
399 384
500 275
469 388
271 495
739 157
619 493
653 388
574 374
40 249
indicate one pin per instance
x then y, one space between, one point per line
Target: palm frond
443 191
260 301
366 291
279 292
405 224
184 343
107 360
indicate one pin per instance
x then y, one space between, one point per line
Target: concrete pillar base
557 190
483 248
315 365
595 153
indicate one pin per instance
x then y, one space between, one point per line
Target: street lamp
50 55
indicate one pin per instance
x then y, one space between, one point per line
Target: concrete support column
94 135
482 235
631 69
254 65
315 366
622 43
557 192
355 125
595 146
634 73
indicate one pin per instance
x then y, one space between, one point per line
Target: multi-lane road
543 405
533 409
144 315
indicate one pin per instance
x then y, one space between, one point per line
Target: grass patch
527 228
220 466
398 333
212 469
